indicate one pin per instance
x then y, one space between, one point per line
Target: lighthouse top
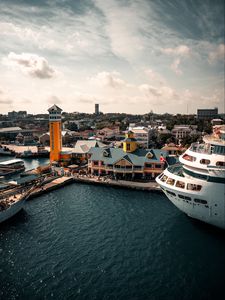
55 109
55 113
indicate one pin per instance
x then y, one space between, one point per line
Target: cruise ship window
220 163
170 181
189 157
219 150
200 201
180 184
164 178
205 161
171 193
194 187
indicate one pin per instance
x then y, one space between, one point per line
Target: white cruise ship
197 184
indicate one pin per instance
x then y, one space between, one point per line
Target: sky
131 56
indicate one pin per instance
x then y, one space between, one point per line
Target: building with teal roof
127 162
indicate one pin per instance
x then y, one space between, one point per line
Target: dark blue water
91 242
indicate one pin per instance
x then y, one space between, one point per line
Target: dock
143 186
64 180
51 185
54 183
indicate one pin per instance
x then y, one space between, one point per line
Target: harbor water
94 242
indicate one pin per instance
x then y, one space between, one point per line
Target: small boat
6 151
12 204
27 154
41 152
11 167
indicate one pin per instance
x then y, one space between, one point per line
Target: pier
143 186
64 180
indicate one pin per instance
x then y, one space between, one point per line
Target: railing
200 148
176 169
210 167
138 168
213 139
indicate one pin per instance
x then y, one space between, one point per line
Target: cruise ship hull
207 205
196 185
12 210
212 213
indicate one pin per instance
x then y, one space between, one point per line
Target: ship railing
216 167
213 139
200 148
176 169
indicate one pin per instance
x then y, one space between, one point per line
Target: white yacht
196 185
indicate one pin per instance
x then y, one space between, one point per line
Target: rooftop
8 129
55 108
83 146
138 157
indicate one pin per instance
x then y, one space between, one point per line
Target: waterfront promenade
65 180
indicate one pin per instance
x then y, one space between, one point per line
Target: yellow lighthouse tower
55 128
130 143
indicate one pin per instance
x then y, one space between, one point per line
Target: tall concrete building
207 113
97 109
55 129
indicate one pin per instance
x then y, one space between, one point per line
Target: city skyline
128 56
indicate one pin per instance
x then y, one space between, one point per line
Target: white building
142 135
182 131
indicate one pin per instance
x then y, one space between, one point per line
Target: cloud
175 66
25 101
54 100
155 77
6 101
63 33
107 79
84 98
125 27
217 54
4 97
30 64
178 52
181 50
159 95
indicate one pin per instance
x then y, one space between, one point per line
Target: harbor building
82 148
207 113
129 162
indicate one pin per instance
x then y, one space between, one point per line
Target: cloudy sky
128 56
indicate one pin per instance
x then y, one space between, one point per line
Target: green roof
138 157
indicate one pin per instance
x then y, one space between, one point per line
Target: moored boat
12 203
6 151
11 167
41 152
